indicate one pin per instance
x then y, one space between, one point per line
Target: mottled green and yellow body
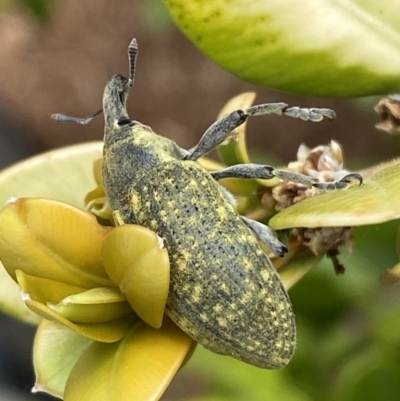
224 291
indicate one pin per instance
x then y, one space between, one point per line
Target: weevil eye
124 121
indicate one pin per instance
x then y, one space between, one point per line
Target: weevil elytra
224 291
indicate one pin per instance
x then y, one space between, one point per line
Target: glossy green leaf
140 367
65 174
377 200
327 48
135 259
55 352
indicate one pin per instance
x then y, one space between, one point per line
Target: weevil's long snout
115 98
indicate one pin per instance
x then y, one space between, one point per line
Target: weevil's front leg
252 170
221 129
266 235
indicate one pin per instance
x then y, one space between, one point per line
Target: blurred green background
56 56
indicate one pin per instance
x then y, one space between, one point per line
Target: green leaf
238 381
65 174
319 48
375 201
55 352
295 265
40 8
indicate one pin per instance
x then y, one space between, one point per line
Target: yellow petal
52 240
55 351
133 258
41 176
107 332
138 368
96 200
98 313
74 303
102 295
45 290
94 306
10 299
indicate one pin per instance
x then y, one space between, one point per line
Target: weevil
224 291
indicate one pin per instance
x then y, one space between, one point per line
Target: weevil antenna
133 51
62 118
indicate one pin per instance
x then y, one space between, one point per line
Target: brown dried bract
324 163
389 110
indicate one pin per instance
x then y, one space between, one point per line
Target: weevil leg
266 235
118 218
222 128
252 170
347 181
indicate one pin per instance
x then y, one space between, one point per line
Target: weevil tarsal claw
348 181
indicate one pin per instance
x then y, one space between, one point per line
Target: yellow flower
101 306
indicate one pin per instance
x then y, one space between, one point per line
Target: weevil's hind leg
349 180
221 129
266 235
252 170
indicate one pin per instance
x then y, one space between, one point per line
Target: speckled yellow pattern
224 291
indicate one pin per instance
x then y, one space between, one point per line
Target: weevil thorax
129 146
